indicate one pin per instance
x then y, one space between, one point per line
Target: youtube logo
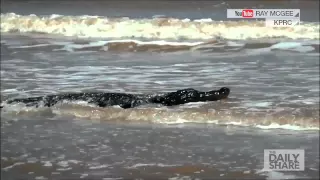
247 13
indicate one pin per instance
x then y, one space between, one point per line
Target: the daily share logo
284 160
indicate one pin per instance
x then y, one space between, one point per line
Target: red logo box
247 13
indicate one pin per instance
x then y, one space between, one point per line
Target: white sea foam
64 169
151 164
163 115
47 163
13 165
274 175
29 46
286 126
63 163
99 166
160 43
156 28
40 178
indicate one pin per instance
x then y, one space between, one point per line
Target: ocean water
50 47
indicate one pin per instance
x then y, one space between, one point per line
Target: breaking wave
156 28
221 114
131 45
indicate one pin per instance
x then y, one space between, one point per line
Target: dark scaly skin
128 100
97 98
189 95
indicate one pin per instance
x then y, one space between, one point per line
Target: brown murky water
273 75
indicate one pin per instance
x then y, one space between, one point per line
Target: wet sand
78 148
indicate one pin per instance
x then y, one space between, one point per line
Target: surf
152 28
